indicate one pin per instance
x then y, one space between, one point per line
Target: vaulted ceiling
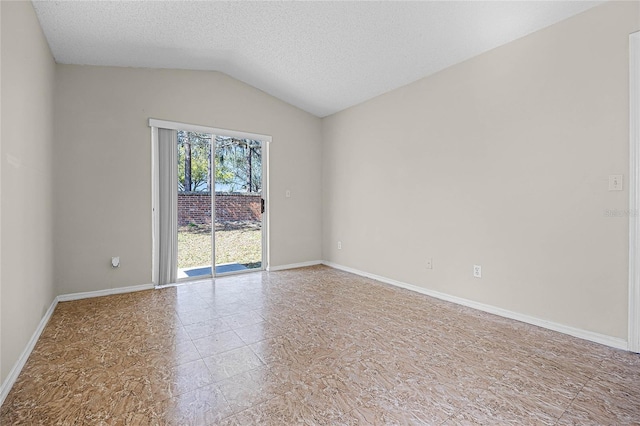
319 56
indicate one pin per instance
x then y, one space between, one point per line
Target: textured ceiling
319 56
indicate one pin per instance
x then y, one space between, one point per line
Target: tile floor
311 346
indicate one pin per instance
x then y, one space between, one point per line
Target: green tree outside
238 163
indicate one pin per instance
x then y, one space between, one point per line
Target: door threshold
239 272
204 272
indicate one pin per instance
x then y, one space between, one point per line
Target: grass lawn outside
236 242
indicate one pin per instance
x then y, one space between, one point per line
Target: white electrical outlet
477 271
430 263
339 245
115 262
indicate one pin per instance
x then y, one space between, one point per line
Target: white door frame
633 342
156 124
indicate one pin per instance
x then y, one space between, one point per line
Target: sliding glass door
220 204
238 204
194 187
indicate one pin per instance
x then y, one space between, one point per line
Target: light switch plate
615 182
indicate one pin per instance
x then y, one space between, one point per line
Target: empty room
322 213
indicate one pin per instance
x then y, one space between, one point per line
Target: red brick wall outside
195 207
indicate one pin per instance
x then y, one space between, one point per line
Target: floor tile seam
599 368
277 395
459 411
489 340
255 352
234 375
570 404
469 398
65 317
243 326
454 348
619 386
208 335
496 381
252 343
480 389
344 367
513 404
222 352
220 392
344 336
534 399
177 315
504 383
178 364
222 317
56 329
353 412
192 311
196 347
176 394
555 364
200 357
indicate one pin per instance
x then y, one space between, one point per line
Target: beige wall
103 166
27 140
500 161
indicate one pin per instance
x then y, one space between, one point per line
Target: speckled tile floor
315 346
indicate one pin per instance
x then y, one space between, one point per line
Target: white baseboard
614 342
294 265
24 356
106 292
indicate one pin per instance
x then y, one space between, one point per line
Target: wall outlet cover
477 271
